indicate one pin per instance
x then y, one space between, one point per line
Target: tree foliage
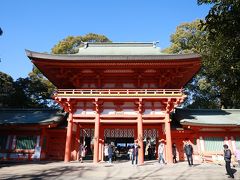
33 91
191 38
217 40
70 44
223 61
7 89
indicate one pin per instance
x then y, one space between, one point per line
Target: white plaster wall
129 112
158 111
89 112
80 111
108 111
148 111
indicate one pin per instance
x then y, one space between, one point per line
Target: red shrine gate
118 87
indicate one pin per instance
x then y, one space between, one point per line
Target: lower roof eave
76 57
52 124
208 125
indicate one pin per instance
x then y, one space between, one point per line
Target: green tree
70 44
33 91
188 38
40 89
223 60
22 96
7 90
191 38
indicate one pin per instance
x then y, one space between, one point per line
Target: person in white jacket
161 151
106 152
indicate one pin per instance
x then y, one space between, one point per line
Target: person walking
130 153
227 158
80 159
106 152
161 150
135 153
110 153
174 153
188 149
82 152
148 144
237 155
150 152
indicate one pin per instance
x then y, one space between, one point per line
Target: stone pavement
118 170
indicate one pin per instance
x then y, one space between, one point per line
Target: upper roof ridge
120 44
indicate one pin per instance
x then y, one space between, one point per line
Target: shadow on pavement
194 165
54 173
17 163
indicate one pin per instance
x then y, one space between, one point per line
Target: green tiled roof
226 117
115 51
131 48
30 116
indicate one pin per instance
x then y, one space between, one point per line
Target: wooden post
96 135
169 156
67 156
140 135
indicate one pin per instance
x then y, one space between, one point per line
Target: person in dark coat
135 153
188 149
149 152
174 153
227 158
110 153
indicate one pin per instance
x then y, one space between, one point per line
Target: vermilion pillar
169 156
96 138
140 135
67 156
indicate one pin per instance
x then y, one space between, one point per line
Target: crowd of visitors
111 152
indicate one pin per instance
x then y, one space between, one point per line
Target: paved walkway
119 171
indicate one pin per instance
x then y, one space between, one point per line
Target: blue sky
39 24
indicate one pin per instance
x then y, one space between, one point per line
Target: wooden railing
118 92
